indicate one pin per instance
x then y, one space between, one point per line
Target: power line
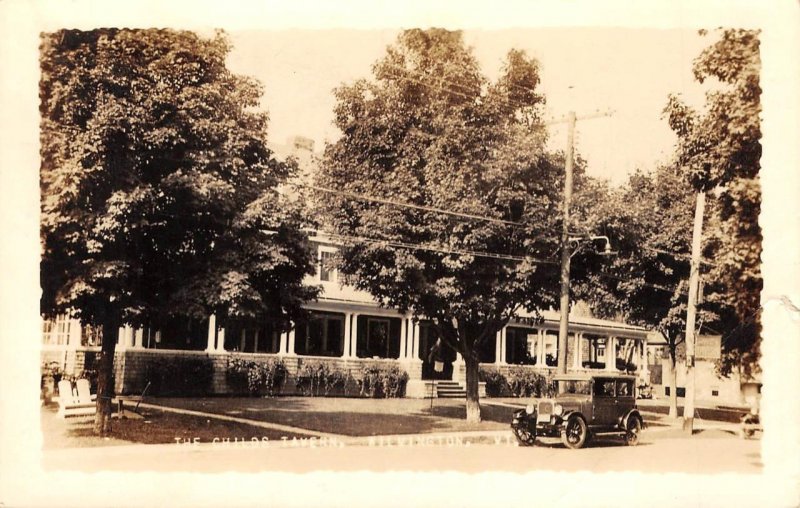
426 208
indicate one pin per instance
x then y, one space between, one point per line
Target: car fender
630 414
571 414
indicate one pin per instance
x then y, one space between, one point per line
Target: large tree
158 190
649 222
430 129
720 147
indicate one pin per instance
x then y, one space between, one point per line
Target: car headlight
558 410
530 408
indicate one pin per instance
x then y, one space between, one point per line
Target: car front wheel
524 435
632 431
574 433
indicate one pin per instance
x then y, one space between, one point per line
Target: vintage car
585 405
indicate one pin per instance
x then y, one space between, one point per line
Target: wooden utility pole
566 251
566 254
691 313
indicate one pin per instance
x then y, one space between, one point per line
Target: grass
156 427
351 417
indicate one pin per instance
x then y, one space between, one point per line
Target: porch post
122 337
347 337
498 347
611 353
503 345
403 339
138 334
74 336
290 343
415 341
221 339
212 333
353 336
578 349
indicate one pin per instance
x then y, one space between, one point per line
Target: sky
629 72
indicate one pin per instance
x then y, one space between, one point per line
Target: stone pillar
611 354
347 335
212 333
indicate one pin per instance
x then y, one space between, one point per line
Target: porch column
242 339
138 335
283 341
290 342
578 349
212 333
503 345
255 341
121 338
347 337
498 347
643 367
74 336
415 340
220 340
351 348
611 353
403 338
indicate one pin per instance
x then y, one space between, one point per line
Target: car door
603 402
626 399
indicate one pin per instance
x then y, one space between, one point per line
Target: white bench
71 404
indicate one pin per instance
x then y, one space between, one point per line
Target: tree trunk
673 387
105 378
473 403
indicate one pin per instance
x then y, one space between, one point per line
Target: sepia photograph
423 248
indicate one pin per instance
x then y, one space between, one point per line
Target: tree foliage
431 130
158 189
720 146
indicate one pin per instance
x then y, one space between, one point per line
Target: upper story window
55 332
327 271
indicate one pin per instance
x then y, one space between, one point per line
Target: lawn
155 427
351 416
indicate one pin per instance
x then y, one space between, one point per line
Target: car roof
585 376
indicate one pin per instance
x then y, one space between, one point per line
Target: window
604 387
327 271
624 388
378 337
715 392
252 337
55 332
519 346
91 335
322 335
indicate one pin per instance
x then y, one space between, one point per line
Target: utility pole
691 313
566 254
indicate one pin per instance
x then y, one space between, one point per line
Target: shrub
256 377
376 382
495 382
526 383
179 376
318 378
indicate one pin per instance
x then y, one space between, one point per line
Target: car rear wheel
524 435
632 431
574 433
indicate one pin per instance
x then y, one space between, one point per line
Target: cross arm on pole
588 116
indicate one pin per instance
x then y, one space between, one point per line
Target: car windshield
578 386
